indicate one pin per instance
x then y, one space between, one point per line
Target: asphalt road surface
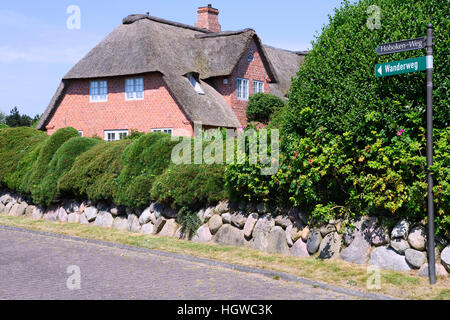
35 266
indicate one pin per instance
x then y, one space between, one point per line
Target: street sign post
414 65
401 46
399 67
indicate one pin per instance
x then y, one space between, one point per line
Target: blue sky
37 48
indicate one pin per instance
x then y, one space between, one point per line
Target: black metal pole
431 257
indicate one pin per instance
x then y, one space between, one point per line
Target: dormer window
194 82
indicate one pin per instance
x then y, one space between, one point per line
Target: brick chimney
208 18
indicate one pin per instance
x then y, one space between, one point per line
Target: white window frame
164 130
133 89
243 90
116 134
194 82
98 91
81 133
258 86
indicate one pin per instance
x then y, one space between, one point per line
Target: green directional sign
402 66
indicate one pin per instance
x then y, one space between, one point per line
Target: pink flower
400 132
241 129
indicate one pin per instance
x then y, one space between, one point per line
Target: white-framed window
114 135
134 89
194 82
81 133
242 89
98 91
258 87
164 130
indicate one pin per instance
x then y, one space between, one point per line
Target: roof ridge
305 52
223 33
132 18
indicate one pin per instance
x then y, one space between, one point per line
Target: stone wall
403 248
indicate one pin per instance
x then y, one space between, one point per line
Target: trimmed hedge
15 144
190 186
144 160
261 106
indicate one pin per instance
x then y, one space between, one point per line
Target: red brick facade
157 110
250 70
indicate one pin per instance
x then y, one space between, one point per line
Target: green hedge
261 106
353 144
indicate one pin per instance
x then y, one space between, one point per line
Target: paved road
34 266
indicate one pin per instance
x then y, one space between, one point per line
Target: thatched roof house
145 45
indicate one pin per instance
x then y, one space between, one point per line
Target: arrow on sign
380 70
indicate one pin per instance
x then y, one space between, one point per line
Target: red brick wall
158 109
253 70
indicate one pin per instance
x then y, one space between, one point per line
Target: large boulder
145 217
299 249
358 250
14 208
51 214
276 241
313 242
170 227
223 207
250 224
21 209
388 259
215 223
73 218
283 221
296 232
439 270
157 209
91 213
330 246
230 236
327 229
133 223
305 234
104 219
28 211
62 215
400 245
238 220
37 214
203 234
445 258
288 235
261 233
121 223
148 228
83 219
380 237
159 225
226 218
401 230
8 207
417 238
415 258
2 207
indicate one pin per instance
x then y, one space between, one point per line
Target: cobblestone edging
401 249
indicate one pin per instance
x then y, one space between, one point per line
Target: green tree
261 106
15 119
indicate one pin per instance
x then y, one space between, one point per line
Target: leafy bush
355 144
261 106
189 221
192 186
40 166
61 163
94 174
16 143
3 126
144 160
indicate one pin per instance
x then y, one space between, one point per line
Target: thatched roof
144 44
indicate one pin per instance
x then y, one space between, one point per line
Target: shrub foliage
261 106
